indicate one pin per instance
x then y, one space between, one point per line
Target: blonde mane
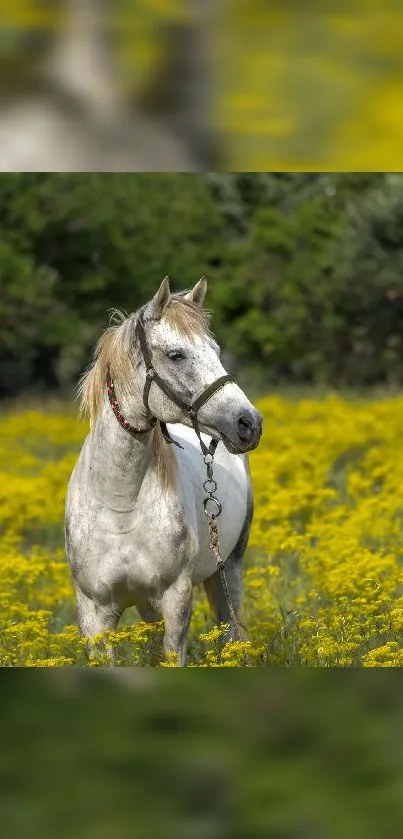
189 319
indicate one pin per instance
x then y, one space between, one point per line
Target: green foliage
104 240
312 289
305 269
280 302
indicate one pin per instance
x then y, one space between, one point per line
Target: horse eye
175 355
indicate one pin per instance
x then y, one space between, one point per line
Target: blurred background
230 85
88 85
305 271
311 86
296 755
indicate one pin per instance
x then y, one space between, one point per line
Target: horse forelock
189 319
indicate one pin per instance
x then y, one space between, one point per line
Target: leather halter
192 410
152 376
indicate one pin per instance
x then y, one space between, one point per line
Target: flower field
323 570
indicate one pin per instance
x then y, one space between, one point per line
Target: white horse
136 529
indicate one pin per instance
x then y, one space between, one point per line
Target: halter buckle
210 459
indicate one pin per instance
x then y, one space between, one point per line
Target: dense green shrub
305 269
104 241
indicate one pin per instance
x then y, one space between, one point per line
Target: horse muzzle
242 435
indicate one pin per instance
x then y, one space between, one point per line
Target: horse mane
113 346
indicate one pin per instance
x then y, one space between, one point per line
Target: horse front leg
176 609
234 576
94 618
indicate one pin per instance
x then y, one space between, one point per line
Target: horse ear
161 299
198 293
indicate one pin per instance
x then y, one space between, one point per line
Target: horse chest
142 552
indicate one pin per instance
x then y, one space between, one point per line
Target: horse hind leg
217 600
234 576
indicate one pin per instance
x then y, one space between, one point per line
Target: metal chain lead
213 510
210 486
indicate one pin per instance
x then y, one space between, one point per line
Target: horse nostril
245 429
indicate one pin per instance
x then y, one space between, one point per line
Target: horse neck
119 461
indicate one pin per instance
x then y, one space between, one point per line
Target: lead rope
213 509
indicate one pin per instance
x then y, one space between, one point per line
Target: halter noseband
152 376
